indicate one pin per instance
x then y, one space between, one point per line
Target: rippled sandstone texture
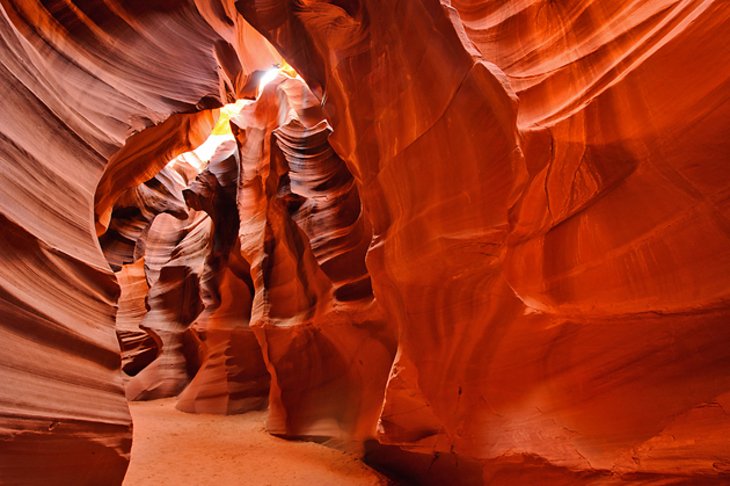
538 191
77 82
326 343
232 377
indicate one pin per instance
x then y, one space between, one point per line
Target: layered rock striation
487 240
78 81
532 225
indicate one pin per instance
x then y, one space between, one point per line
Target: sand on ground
176 448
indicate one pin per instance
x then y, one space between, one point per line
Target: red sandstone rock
499 247
174 303
232 377
325 340
138 347
77 80
535 256
134 212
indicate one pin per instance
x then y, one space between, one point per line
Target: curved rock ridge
326 206
78 78
486 240
232 377
181 313
537 226
173 303
325 340
309 210
134 212
138 347
561 56
193 320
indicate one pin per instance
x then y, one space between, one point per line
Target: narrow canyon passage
173 448
222 241
477 242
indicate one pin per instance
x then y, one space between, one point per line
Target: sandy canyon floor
175 448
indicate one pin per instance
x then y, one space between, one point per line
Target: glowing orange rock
232 377
490 238
557 266
78 80
325 340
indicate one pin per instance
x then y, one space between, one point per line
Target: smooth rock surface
77 81
489 240
549 233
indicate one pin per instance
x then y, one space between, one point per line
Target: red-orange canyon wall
489 240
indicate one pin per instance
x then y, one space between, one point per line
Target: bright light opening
271 74
200 157
268 77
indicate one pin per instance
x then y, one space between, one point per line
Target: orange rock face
232 377
488 240
326 342
77 82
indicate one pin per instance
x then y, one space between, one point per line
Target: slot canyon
438 242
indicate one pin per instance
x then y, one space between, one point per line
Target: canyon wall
547 187
488 240
81 83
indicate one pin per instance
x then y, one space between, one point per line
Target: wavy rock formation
325 341
138 347
125 248
78 79
135 210
489 240
232 377
564 228
174 302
